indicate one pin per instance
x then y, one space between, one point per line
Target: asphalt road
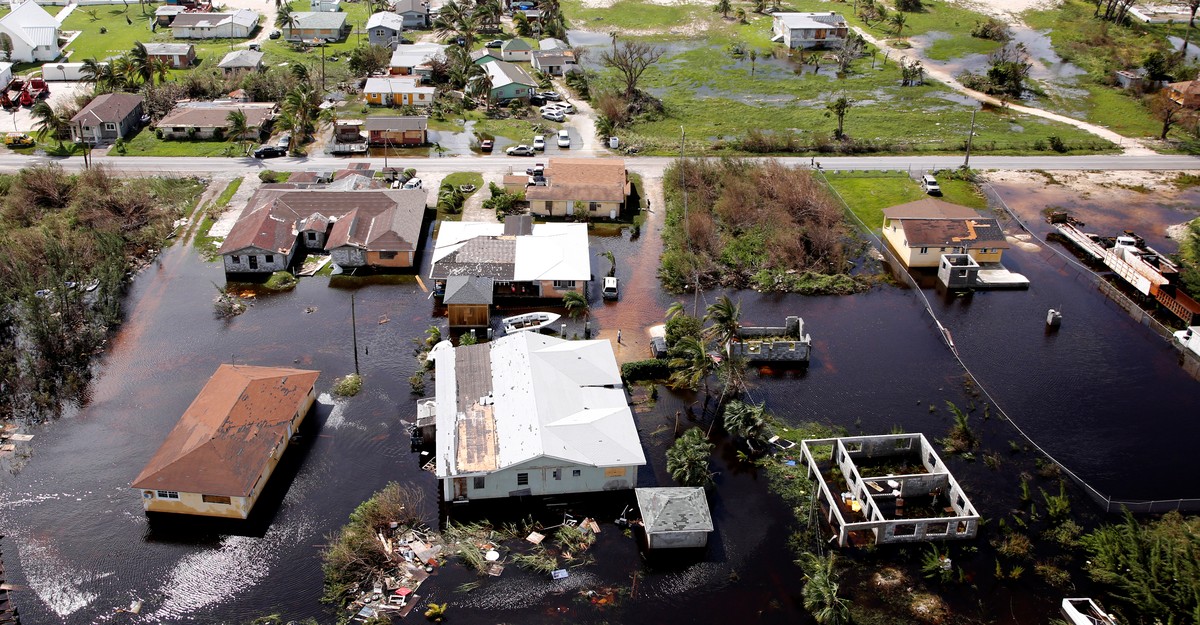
647 165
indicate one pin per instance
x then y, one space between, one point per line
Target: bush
281 281
680 326
992 29
270 177
649 369
348 386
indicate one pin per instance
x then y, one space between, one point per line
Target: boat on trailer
1084 611
529 321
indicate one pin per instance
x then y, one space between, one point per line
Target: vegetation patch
348 386
744 218
643 370
1189 256
281 281
66 245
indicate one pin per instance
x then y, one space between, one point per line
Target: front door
460 488
253 261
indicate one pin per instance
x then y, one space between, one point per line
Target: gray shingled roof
674 510
468 290
489 257
405 122
241 58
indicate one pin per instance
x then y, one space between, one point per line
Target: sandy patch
1023 241
1004 8
1093 182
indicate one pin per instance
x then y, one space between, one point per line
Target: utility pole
967 161
354 333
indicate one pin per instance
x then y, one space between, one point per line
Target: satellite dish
60 66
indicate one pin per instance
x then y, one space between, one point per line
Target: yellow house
596 187
397 91
218 458
920 232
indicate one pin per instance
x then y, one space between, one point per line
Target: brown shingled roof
110 107
583 179
225 438
966 233
929 208
216 114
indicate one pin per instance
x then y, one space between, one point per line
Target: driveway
583 122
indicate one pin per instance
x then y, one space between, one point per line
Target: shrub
682 325
348 386
992 29
281 281
271 177
649 369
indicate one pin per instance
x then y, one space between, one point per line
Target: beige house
220 455
596 187
207 120
920 232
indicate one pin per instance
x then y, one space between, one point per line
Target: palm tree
575 303
838 108
286 18
480 85
723 7
898 21
160 68
674 310
612 263
753 58
745 420
237 128
302 104
100 75
687 459
821 591
741 15
488 12
140 63
122 73
49 122
725 317
691 364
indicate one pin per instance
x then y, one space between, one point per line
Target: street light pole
971 136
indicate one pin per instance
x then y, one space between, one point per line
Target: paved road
653 165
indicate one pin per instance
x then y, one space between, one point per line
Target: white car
283 140
415 183
930 184
554 116
539 143
566 107
564 139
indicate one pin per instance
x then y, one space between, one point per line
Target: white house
808 30
237 25
415 59
325 6
515 50
530 414
414 12
33 33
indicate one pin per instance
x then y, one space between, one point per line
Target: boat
528 321
1084 611
1190 339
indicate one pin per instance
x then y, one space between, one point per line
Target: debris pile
413 552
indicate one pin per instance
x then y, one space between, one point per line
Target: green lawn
868 193
121 34
458 179
956 47
145 143
962 192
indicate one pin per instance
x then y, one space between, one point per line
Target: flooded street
1098 395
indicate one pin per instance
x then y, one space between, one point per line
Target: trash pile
413 553
488 549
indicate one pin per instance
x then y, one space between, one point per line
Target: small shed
468 301
674 518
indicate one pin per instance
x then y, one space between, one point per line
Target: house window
110 126
379 33
522 479
178 129
961 528
216 499
387 255
549 207
270 258
557 474
906 529
312 236
593 206
924 250
479 482
235 259
937 529
564 284
167 494
576 472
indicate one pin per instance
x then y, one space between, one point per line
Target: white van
929 183
564 138
610 288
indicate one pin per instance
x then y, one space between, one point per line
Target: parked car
415 183
270 151
930 184
519 150
537 170
564 138
18 140
553 96
539 143
536 99
566 107
495 43
276 34
486 145
284 140
554 115
255 46
610 287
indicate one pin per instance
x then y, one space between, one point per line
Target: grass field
716 97
956 47
126 25
145 143
869 193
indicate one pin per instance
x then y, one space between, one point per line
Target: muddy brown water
1100 394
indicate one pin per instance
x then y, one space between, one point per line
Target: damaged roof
555 251
965 233
674 510
226 437
929 208
582 179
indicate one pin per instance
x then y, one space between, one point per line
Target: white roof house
553 251
398 90
410 57
386 19
33 32
530 414
808 30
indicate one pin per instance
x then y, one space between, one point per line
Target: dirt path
934 70
473 209
224 224
583 121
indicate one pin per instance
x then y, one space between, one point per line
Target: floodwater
1099 395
